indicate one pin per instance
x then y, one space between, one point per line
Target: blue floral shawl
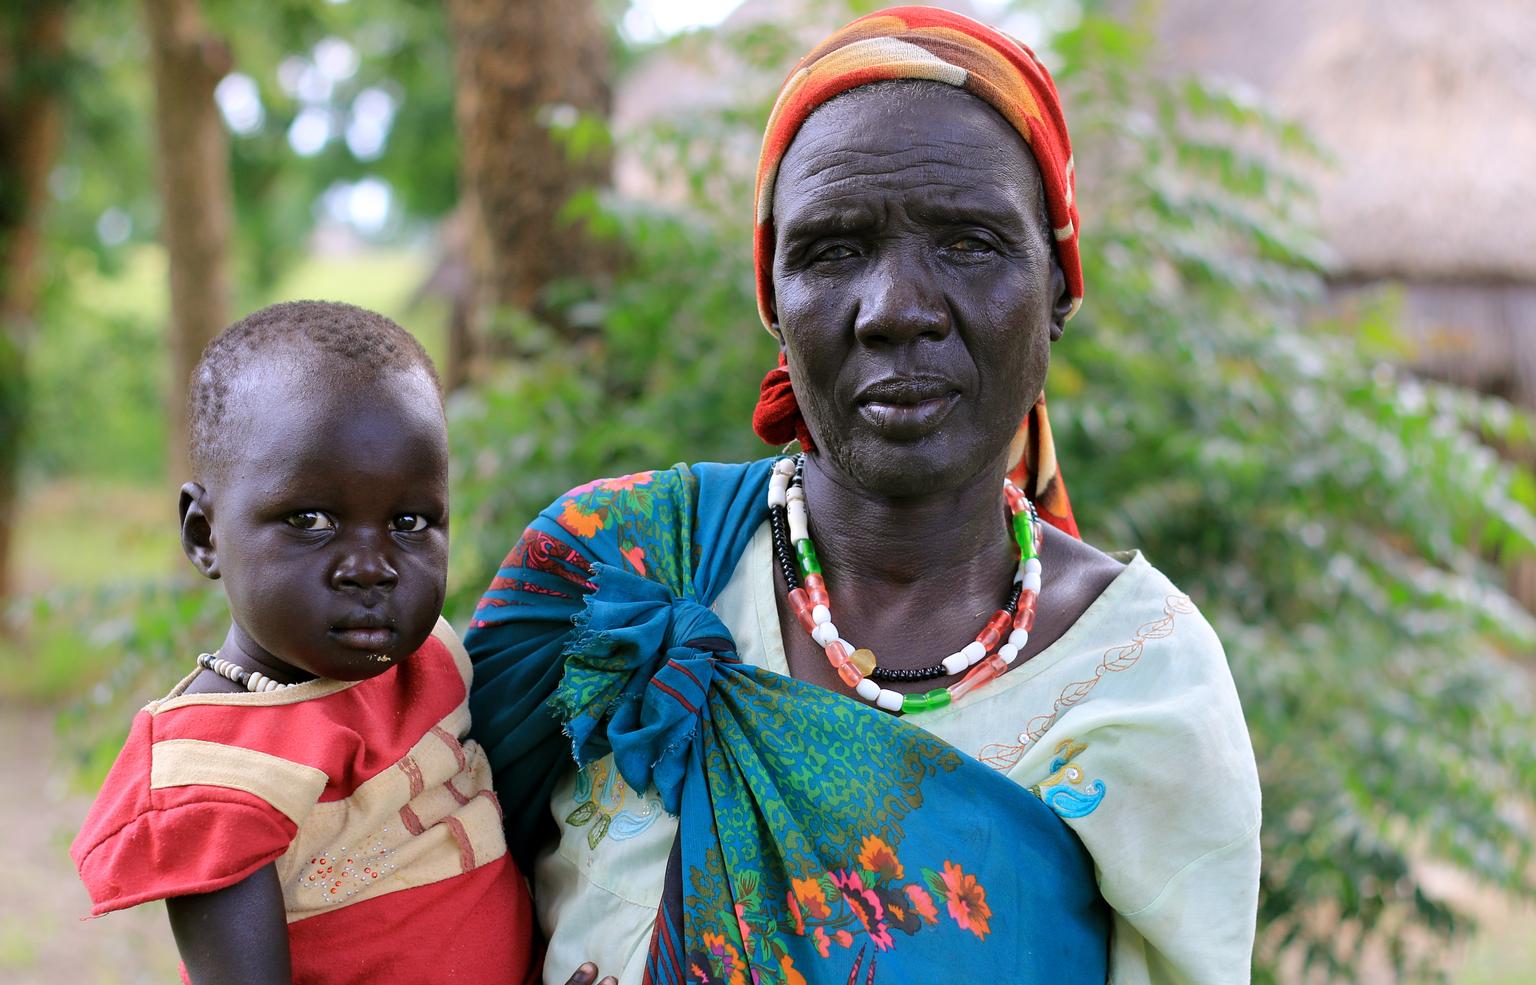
820 840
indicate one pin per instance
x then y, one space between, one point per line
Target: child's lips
370 638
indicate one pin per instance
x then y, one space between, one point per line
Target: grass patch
80 536
86 533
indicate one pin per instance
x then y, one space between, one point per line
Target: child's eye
311 520
409 523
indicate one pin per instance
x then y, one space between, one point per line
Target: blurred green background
1286 386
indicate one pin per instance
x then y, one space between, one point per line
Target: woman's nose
899 302
364 565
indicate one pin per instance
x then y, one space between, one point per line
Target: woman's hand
585 974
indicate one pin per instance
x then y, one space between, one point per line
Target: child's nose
364 568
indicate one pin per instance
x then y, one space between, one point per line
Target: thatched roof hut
1429 111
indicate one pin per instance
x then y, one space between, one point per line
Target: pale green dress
1131 718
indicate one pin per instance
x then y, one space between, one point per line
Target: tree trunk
31 125
187 62
519 65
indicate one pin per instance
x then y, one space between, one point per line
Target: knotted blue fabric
656 654
820 840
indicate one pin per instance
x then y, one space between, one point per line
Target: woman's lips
908 419
364 638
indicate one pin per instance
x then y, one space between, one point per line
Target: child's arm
234 936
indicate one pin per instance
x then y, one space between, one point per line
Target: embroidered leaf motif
598 830
582 814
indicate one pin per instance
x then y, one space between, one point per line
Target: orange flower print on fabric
877 857
922 903
578 521
794 913
636 558
625 481
967 900
726 959
866 903
791 976
812 897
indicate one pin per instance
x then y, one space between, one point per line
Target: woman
1068 793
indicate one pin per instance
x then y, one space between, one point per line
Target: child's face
329 522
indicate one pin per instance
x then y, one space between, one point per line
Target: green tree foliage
1341 524
96 374
1345 527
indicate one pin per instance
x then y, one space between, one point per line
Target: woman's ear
197 529
1061 307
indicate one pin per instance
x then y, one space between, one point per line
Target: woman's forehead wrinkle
946 189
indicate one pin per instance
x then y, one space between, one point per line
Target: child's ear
197 530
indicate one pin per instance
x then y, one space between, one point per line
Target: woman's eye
409 523
836 252
311 520
971 244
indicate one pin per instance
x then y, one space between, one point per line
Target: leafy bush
1346 528
153 632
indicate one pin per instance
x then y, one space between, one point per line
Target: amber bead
864 659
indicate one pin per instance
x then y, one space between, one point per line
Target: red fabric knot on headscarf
777 419
926 43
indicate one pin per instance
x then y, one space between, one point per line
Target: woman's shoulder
683 478
659 504
1124 591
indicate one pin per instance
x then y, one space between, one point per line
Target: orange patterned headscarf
940 46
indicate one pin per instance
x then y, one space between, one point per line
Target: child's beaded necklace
251 680
987 656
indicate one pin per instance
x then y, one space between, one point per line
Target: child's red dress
369 797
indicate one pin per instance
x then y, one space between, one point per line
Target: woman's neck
957 539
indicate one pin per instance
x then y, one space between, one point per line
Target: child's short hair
366 339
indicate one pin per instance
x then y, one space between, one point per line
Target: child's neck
242 651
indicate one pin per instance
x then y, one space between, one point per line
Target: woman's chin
877 464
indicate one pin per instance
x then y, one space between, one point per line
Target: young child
306 800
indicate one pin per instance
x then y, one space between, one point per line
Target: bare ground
43 940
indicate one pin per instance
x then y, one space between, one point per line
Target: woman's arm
234 936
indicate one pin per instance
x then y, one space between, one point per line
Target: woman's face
915 289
